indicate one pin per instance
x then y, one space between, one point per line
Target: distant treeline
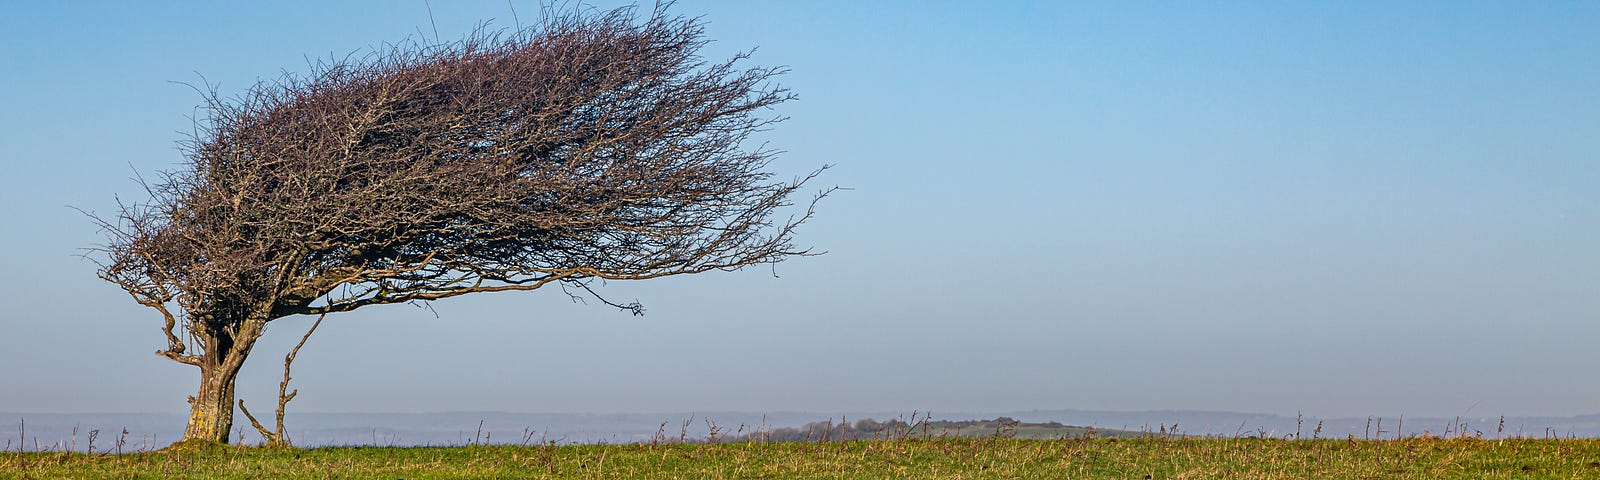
870 429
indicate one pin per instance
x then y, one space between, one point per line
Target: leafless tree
590 146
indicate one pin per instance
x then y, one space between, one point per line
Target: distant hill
897 428
1010 428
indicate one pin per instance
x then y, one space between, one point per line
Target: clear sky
1340 208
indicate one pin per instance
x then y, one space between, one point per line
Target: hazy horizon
312 429
1344 209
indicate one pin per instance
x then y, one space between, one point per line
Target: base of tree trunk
211 408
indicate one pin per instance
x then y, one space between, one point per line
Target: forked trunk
211 408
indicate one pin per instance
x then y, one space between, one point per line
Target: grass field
1155 458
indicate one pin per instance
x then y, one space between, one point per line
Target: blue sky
1340 208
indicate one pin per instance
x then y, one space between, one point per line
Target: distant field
1155 458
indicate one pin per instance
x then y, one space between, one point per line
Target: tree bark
211 408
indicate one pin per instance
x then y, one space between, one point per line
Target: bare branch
267 434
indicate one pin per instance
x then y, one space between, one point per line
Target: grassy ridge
1242 458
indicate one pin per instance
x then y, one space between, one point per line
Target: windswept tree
592 146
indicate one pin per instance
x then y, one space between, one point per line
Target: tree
592 146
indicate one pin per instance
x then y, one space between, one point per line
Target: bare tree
591 146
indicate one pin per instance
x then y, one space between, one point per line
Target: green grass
1241 458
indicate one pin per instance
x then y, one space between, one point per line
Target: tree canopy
588 147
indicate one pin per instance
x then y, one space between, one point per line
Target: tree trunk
211 409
